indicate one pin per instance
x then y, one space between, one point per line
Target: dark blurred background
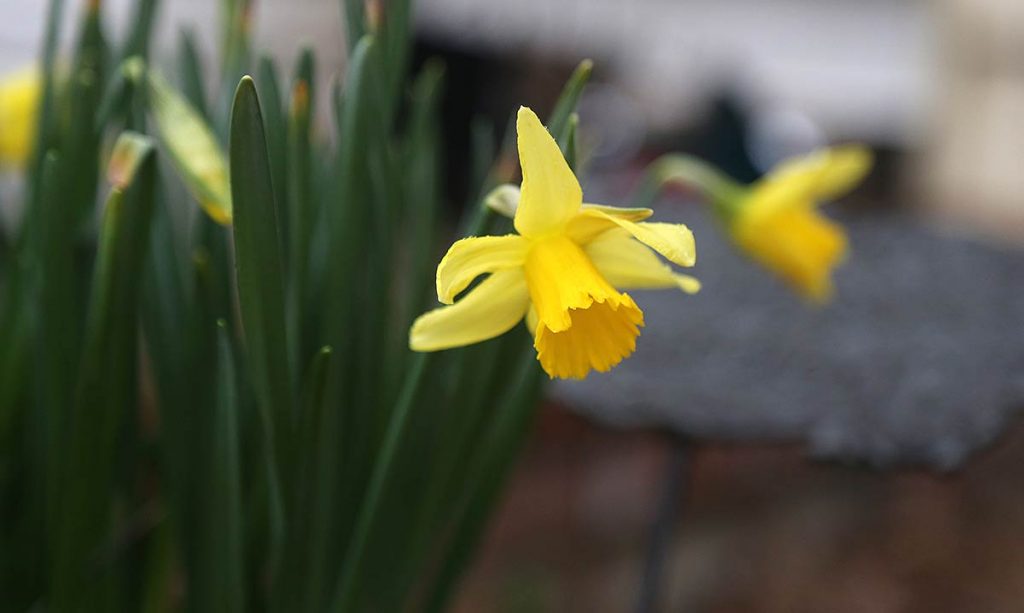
874 463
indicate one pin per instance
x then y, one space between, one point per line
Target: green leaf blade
105 395
260 278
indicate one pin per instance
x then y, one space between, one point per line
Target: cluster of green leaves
226 417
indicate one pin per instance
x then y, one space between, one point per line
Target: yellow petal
471 257
636 213
799 245
551 195
842 170
19 101
807 180
628 264
673 241
490 309
504 200
592 221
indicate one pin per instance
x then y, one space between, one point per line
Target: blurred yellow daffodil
19 102
776 221
560 271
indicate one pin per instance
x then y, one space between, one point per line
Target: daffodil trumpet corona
775 221
563 271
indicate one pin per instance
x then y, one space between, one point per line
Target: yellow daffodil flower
776 223
19 102
559 271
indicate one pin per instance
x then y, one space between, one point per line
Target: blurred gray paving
919 360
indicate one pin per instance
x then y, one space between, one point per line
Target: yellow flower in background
560 271
777 223
19 103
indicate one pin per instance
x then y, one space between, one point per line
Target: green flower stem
718 190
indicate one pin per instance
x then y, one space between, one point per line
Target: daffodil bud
189 142
129 151
503 200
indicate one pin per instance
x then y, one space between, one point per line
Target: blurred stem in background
675 488
711 184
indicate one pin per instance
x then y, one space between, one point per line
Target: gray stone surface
919 360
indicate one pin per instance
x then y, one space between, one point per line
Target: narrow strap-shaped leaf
490 167
80 147
32 411
393 27
181 380
58 335
191 73
567 142
118 99
260 279
301 206
424 168
142 28
319 549
496 449
357 218
422 201
467 406
15 352
45 122
236 51
185 420
345 595
160 579
105 394
558 121
355 22
221 580
275 126
348 220
483 149
300 587
258 261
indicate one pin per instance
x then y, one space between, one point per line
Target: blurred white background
941 81
860 68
